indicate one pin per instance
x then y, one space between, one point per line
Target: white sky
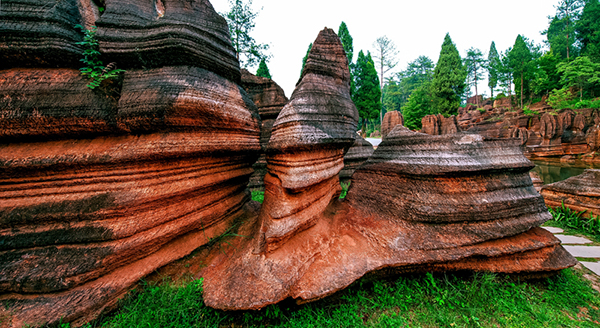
416 27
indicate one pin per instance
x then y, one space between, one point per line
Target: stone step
554 230
572 240
584 251
593 266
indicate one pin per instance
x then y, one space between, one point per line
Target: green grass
482 300
576 222
345 186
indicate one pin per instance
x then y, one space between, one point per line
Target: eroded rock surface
419 203
270 99
360 151
390 120
99 188
439 125
579 193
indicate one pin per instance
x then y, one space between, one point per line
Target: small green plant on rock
94 69
529 112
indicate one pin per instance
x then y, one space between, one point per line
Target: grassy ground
482 300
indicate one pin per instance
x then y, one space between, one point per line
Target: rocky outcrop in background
579 193
390 120
99 188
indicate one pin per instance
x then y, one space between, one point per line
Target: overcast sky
416 27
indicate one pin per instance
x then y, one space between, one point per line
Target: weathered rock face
390 120
546 134
270 99
100 188
436 125
146 34
360 151
307 146
36 33
579 193
407 210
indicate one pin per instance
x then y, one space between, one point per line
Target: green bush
574 220
94 69
559 98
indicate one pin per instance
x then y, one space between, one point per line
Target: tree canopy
240 19
494 65
263 70
346 39
448 80
474 63
520 59
367 96
588 30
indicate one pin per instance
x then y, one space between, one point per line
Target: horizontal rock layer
579 193
141 34
37 33
360 151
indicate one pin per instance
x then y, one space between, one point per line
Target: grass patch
576 222
345 186
481 300
258 196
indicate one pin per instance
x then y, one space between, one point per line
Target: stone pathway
579 247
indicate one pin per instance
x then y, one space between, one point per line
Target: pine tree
241 23
448 80
417 107
474 62
367 97
493 66
263 70
385 54
305 57
521 60
588 30
346 41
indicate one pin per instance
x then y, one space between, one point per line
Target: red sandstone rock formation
390 120
97 188
36 33
270 99
439 125
419 203
356 156
537 180
307 146
406 211
580 193
140 34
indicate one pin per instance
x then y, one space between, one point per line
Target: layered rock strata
438 125
151 34
419 203
270 99
579 193
100 188
37 33
390 120
360 151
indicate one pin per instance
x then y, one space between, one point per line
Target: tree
306 57
588 30
367 97
520 58
346 38
392 96
505 75
579 73
474 62
493 66
418 106
448 80
562 27
547 77
385 54
263 70
241 23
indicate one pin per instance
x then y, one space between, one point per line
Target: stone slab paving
593 266
572 240
554 230
584 251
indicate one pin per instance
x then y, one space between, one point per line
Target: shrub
559 98
94 69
